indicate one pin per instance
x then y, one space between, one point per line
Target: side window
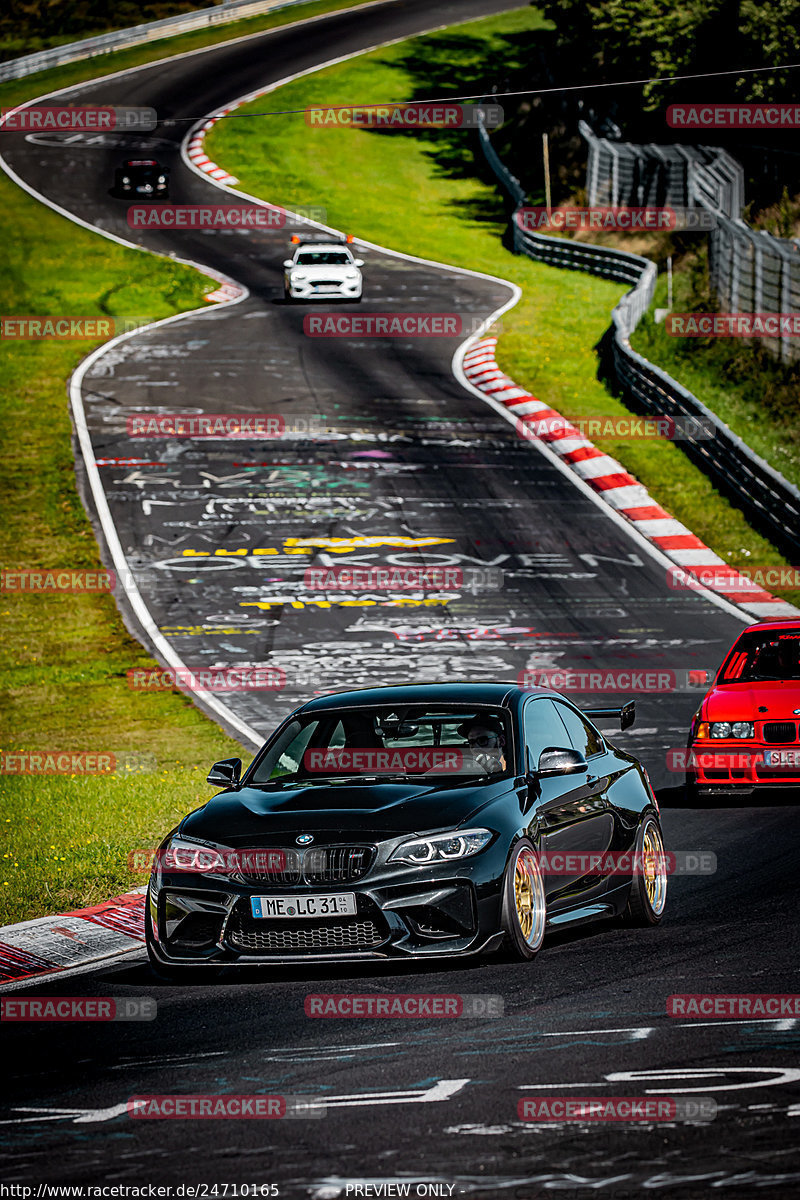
584 737
543 728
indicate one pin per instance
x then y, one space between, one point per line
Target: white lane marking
671 1075
781 1023
445 1089
779 1075
639 1032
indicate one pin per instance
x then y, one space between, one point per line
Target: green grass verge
63 658
423 194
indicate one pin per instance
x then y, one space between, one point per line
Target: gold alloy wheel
529 897
654 868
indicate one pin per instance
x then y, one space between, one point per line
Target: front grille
780 732
320 864
266 937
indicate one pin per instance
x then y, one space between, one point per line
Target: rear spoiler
626 715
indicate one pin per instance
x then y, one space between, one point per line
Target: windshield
760 657
323 258
407 742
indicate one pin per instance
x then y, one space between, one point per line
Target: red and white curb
227 290
618 489
196 152
49 946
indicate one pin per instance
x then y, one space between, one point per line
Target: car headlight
182 855
162 179
441 847
297 276
125 179
726 729
351 274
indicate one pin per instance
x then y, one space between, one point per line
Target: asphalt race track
414 465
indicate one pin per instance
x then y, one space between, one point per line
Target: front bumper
400 914
312 291
741 766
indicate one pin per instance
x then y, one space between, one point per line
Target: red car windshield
768 655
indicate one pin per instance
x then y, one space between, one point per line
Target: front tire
648 894
524 911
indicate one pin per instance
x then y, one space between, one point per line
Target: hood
367 811
742 701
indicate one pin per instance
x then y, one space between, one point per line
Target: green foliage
640 39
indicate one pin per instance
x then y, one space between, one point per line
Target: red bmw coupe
745 733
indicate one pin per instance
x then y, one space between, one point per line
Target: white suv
322 270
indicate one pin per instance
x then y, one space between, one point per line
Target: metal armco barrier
135 35
769 500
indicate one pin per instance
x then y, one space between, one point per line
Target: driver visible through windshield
380 743
773 654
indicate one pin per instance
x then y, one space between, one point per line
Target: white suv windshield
323 258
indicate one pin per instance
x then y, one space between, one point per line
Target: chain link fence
769 500
750 271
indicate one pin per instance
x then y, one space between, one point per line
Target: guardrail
135 35
769 500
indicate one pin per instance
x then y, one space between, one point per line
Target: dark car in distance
140 177
409 822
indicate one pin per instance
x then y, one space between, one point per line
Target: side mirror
288 262
226 773
557 760
358 262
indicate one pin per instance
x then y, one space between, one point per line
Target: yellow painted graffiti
333 545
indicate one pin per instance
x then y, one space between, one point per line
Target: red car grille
780 732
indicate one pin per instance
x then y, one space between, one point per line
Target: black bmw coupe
421 822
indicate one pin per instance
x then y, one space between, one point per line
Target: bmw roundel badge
304 839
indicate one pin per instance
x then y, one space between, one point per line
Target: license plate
782 758
338 904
